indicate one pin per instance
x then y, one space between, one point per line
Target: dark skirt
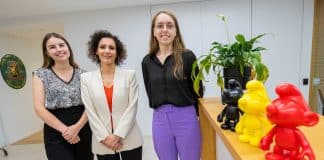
57 147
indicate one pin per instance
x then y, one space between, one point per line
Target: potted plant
240 58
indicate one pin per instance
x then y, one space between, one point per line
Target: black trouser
57 148
134 154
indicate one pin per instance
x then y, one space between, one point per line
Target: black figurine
231 112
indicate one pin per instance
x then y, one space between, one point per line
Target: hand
71 134
113 142
74 140
265 143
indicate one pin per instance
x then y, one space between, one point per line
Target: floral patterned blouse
59 93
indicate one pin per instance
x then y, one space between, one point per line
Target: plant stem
223 18
227 32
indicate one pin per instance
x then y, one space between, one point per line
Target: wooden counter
209 108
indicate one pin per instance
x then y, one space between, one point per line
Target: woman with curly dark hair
110 96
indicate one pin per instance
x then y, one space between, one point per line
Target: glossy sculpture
287 112
253 125
231 112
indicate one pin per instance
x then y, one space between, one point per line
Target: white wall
288 55
3 137
16 109
289 48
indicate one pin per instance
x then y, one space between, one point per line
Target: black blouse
161 85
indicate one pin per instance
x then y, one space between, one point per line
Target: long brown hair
178 46
47 60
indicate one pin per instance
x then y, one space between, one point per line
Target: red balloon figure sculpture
287 112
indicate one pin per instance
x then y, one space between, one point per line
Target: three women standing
110 96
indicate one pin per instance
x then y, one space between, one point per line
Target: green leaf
196 86
207 68
256 37
240 38
262 72
258 49
220 81
193 70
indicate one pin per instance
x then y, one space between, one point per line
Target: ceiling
12 11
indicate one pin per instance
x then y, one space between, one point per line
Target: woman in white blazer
110 96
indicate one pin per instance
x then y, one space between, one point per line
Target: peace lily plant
239 54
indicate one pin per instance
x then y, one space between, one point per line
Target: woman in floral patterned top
57 101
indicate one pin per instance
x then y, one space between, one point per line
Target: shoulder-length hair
47 60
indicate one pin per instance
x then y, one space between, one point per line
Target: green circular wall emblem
13 71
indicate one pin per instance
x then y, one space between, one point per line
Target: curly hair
93 44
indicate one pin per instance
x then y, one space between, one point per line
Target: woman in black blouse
57 101
166 71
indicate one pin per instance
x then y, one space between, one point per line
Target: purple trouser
176 132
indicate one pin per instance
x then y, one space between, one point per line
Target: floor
26 150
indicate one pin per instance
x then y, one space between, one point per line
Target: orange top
109 95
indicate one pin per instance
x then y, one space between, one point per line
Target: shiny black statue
231 112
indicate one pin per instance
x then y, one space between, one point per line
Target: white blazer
124 108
